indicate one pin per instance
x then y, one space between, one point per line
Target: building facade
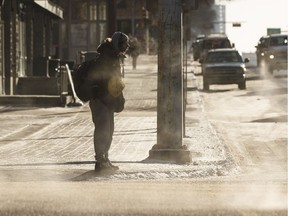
139 19
28 34
36 36
84 26
87 22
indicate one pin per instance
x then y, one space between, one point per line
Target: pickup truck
275 52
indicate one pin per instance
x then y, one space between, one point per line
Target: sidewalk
57 143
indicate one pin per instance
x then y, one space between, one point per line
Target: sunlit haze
255 17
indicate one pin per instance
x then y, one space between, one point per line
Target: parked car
224 66
214 41
275 53
260 49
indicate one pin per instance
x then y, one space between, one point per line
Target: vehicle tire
258 61
205 85
271 69
242 85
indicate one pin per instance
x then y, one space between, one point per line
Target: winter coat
109 65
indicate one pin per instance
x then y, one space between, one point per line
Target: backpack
83 88
87 87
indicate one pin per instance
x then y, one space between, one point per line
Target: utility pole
170 86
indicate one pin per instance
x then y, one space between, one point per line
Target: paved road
46 162
253 122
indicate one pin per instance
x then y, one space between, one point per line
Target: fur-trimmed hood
118 38
106 48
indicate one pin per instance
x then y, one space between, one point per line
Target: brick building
28 33
37 35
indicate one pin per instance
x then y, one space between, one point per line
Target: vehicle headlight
262 54
271 56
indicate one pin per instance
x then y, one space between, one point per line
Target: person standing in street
108 97
134 50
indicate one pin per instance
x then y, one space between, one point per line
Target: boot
103 166
109 162
111 165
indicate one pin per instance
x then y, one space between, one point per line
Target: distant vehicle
196 47
224 66
260 49
275 53
214 41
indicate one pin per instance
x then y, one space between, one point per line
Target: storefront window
64 34
79 10
124 25
102 10
93 33
95 36
79 34
102 30
92 11
88 27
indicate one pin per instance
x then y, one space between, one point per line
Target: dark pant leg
103 119
134 61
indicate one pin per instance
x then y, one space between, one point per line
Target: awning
51 7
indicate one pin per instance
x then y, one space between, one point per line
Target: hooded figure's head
120 42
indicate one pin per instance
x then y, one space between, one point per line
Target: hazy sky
255 17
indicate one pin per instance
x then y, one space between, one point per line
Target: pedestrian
112 53
134 50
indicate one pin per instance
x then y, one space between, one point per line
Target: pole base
180 156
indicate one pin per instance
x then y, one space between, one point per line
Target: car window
217 43
262 42
278 41
214 57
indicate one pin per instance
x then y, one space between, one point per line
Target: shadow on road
192 89
215 91
49 164
252 78
272 119
42 172
91 174
276 91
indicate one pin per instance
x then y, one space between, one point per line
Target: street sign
236 24
273 31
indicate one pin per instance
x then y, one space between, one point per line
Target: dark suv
214 41
275 52
260 49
